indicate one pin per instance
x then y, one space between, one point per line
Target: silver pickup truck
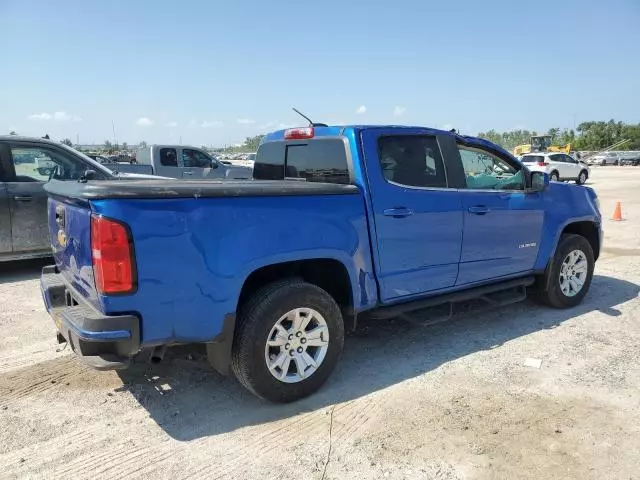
180 161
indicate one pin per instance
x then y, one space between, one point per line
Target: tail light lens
542 164
298 133
112 256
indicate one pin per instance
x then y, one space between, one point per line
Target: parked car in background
343 222
560 166
629 158
179 161
26 165
98 158
604 158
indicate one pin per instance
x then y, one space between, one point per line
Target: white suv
559 166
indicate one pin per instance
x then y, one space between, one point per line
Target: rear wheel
289 338
569 276
582 178
554 177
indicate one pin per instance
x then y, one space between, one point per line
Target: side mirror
214 164
539 181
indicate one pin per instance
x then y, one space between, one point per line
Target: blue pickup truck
338 223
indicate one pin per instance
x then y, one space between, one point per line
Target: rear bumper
104 342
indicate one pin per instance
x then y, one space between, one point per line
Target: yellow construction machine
540 143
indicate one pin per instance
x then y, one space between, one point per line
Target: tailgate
70 232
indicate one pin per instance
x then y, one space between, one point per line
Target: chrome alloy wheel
573 273
297 345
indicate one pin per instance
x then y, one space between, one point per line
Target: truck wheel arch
327 273
585 228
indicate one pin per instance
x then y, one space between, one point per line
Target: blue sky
214 72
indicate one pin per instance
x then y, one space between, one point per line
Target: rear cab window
322 159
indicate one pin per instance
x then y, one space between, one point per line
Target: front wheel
288 340
569 276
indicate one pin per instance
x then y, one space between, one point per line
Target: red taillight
112 255
542 164
298 133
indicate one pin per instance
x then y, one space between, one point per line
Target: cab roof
341 130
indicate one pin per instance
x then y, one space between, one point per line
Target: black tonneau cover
145 189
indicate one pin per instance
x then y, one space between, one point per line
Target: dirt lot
451 401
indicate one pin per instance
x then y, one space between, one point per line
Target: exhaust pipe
158 354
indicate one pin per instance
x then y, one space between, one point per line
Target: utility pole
113 127
77 139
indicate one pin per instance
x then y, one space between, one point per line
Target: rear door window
412 160
168 157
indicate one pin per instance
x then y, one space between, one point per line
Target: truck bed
200 240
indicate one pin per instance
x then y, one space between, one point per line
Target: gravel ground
450 401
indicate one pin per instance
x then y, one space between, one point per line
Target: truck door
197 164
502 223
27 198
418 216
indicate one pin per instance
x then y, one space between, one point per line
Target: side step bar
494 295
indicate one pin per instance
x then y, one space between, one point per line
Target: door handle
187 173
23 198
479 209
398 212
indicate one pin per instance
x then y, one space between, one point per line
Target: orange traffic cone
617 213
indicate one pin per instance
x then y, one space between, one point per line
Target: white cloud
246 121
55 116
399 111
211 124
144 122
40 116
361 109
172 124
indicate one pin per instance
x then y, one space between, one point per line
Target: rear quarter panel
193 255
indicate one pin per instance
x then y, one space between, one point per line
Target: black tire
554 176
579 180
552 295
256 319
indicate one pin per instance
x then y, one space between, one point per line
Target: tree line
587 136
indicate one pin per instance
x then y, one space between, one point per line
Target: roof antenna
311 124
